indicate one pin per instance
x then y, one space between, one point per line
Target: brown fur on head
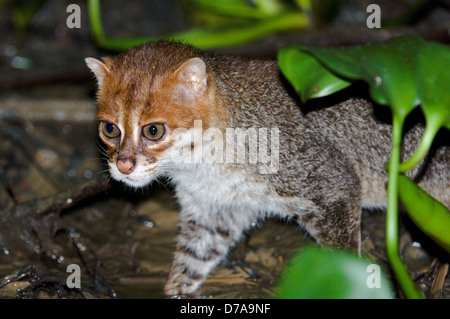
161 83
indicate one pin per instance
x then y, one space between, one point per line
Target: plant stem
96 22
408 286
431 129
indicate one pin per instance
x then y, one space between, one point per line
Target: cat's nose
126 165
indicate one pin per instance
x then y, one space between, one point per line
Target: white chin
136 183
132 180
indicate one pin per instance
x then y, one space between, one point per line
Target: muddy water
135 243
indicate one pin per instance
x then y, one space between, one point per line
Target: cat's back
258 96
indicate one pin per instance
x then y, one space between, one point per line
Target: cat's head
148 98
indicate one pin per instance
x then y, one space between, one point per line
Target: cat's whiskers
103 171
102 152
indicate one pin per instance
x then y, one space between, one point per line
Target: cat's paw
181 283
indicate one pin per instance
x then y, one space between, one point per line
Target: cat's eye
154 131
110 130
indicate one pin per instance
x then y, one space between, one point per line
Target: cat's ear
192 78
98 68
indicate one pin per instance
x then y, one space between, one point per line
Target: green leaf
428 214
202 38
432 80
308 77
395 71
328 274
230 8
388 68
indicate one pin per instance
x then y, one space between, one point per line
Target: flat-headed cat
238 148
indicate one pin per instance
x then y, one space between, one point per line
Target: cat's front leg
204 241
